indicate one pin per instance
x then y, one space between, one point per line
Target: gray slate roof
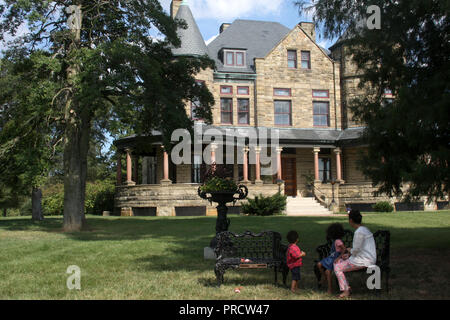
192 43
258 37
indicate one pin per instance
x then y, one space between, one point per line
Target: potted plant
309 178
218 187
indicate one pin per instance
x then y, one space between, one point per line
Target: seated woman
362 255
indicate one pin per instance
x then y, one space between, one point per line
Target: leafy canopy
408 138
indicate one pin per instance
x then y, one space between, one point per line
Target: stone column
213 153
129 181
316 164
136 169
245 165
338 153
279 169
258 166
119 168
166 180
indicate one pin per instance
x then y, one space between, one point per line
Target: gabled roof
192 43
257 37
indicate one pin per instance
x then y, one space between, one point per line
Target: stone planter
222 198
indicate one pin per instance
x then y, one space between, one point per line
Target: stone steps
304 206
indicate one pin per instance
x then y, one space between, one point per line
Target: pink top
294 258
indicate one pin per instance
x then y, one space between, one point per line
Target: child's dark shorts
295 273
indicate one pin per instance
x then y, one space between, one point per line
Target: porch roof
288 137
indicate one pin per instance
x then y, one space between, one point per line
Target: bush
265 206
383 206
99 198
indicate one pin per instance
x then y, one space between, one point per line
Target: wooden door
289 175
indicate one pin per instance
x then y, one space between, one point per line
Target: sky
210 14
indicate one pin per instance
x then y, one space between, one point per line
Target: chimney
174 6
310 29
224 26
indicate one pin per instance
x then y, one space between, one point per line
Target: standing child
334 232
294 258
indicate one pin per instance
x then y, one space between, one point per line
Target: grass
162 258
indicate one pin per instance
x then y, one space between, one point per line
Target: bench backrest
382 242
264 245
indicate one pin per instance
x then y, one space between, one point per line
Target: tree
109 69
26 146
408 138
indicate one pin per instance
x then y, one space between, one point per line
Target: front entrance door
289 175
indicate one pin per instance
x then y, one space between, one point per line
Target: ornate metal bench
382 243
250 251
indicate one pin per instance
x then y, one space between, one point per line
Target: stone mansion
266 76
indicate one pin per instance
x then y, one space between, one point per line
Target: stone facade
333 73
273 72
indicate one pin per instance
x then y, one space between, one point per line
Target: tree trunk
75 171
36 205
5 212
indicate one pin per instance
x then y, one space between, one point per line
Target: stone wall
273 72
167 198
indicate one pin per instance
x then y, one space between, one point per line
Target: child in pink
294 259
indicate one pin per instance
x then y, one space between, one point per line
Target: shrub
383 206
99 198
265 206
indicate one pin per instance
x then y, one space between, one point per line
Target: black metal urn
222 198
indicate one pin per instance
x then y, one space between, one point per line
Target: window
306 60
321 94
226 110
226 89
195 104
234 58
239 59
229 58
325 169
282 92
321 114
197 168
292 59
283 112
243 91
243 111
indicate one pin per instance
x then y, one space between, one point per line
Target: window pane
320 108
306 58
283 119
243 105
282 92
282 106
243 118
305 55
320 93
243 90
321 120
230 58
226 104
239 59
226 89
226 117
292 55
292 59
195 105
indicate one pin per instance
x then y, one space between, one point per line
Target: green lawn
162 258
